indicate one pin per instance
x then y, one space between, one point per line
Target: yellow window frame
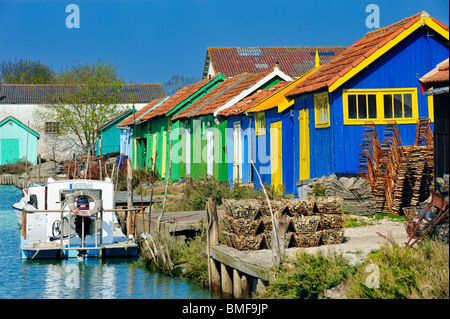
380 116
260 123
321 110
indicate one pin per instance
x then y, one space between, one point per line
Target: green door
9 150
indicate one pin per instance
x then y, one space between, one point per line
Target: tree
176 83
86 97
25 72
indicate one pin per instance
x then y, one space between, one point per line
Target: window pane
320 112
362 107
325 111
372 100
407 99
387 99
352 106
398 112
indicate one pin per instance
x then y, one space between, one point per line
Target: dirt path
360 241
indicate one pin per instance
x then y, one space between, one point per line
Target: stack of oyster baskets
309 222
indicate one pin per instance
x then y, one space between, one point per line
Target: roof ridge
243 77
395 25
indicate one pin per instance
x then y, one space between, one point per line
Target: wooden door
237 152
209 151
188 152
9 150
303 120
276 166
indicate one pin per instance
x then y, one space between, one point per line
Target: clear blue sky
151 40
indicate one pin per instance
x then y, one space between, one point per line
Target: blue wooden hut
375 80
17 142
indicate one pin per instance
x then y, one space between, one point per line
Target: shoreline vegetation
421 272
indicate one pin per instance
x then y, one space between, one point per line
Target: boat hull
129 250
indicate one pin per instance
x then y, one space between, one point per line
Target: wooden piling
237 284
129 196
245 287
227 283
215 275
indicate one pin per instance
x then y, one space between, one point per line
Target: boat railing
97 232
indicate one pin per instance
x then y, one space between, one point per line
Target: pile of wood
399 176
309 222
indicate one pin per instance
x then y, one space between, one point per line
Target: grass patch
405 273
306 276
390 217
17 168
353 222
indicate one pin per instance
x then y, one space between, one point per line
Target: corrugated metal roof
221 94
295 61
135 116
39 93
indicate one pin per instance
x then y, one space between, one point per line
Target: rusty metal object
399 175
420 227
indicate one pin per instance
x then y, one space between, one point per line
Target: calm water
70 278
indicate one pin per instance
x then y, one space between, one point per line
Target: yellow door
275 154
303 120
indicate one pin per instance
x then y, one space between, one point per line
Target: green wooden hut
17 142
154 128
209 131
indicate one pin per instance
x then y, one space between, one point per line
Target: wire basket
305 224
332 236
308 240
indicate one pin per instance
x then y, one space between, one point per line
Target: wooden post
39 167
129 197
245 287
260 287
237 284
274 225
227 283
212 222
278 237
212 234
100 173
167 181
215 275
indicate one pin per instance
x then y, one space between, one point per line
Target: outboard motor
82 204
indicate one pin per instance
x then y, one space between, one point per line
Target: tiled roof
221 94
252 100
295 61
38 93
438 75
130 119
362 49
175 99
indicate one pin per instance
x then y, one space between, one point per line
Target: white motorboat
71 218
26 200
